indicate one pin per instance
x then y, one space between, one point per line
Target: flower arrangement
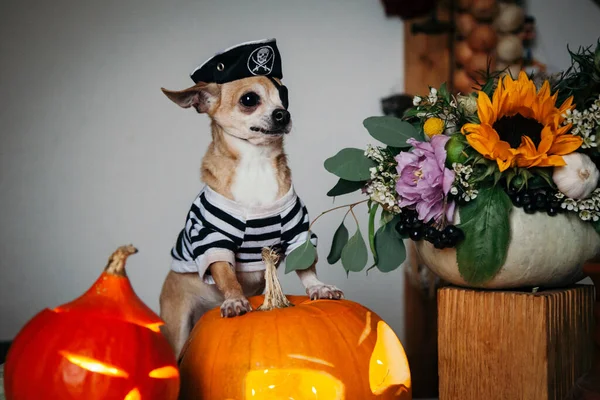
452 170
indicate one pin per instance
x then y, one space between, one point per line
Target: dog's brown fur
185 297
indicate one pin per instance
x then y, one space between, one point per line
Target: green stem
372 214
351 206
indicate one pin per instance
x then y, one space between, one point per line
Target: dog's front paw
235 307
324 292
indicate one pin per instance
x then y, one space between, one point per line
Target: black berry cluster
410 225
534 200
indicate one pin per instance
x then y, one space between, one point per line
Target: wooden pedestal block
509 345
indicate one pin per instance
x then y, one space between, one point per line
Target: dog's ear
202 96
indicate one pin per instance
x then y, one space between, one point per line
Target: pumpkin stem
274 297
116 262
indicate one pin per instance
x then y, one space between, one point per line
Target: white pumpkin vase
544 251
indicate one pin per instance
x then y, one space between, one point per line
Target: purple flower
423 179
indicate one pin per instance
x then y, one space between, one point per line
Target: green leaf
350 164
354 254
372 214
340 238
411 112
443 92
542 177
386 216
301 257
510 174
394 151
344 187
488 88
390 247
486 225
497 176
390 130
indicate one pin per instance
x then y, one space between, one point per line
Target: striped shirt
219 229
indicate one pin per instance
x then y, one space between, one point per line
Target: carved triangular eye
166 372
93 365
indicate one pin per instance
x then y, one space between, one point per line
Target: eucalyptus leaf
344 187
390 247
340 238
391 131
486 225
350 164
354 254
301 257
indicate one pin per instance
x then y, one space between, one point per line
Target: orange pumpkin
323 349
105 344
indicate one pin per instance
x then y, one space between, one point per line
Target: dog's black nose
281 117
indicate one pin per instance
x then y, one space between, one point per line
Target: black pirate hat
257 58
244 60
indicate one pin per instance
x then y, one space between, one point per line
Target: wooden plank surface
426 60
513 345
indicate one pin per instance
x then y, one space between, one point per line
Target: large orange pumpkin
323 349
104 345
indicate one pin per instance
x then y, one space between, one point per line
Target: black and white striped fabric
219 229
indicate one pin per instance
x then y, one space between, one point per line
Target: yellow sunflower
521 126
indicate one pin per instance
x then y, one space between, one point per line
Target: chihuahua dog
248 201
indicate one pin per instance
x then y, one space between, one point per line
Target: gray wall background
92 155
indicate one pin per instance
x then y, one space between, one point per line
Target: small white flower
432 96
570 205
454 190
417 100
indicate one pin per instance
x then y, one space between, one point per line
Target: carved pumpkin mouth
305 384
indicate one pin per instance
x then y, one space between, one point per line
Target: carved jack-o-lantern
317 350
104 345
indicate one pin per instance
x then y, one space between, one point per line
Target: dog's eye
250 99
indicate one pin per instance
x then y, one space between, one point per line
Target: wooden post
588 387
420 339
499 345
426 60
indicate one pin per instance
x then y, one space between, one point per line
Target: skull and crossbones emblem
261 61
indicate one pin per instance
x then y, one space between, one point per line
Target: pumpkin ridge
213 366
348 345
